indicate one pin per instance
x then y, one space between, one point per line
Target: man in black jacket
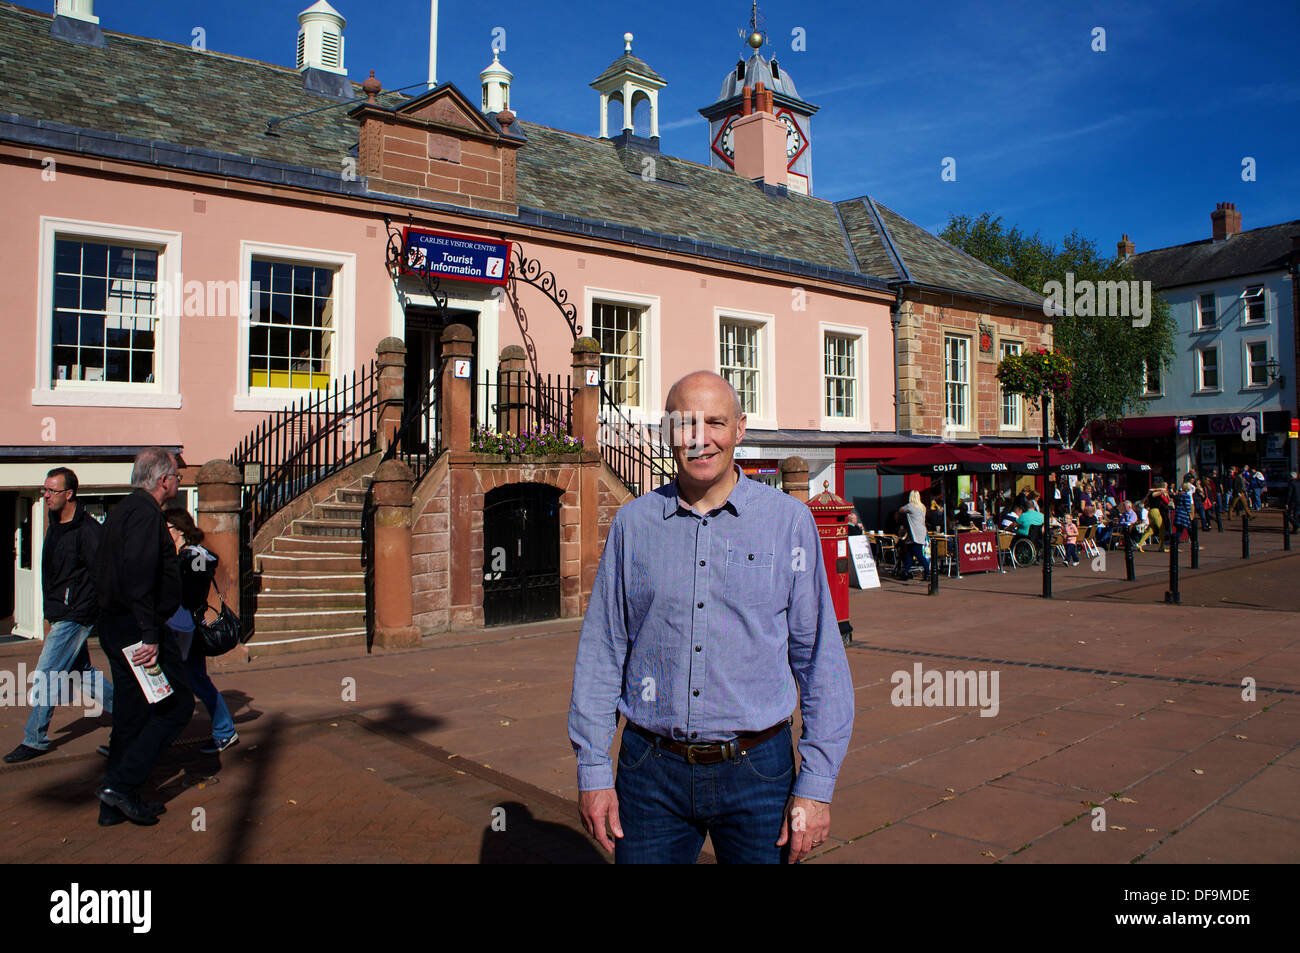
1291 511
138 579
64 669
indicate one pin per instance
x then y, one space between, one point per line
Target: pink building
200 239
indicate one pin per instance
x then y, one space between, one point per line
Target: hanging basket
1036 373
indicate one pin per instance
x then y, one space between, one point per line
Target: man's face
56 497
704 428
170 483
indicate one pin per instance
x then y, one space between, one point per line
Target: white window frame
651 410
1200 370
345 284
1197 306
1018 399
1245 363
164 392
1245 306
970 382
764 418
1146 379
862 419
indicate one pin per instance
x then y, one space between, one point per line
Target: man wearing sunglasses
67 557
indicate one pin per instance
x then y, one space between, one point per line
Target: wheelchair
1027 550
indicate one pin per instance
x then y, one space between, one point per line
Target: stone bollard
394 604
794 477
219 508
390 363
512 394
585 412
457 395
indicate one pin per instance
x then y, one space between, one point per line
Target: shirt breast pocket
749 575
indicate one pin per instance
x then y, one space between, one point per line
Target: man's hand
810 822
595 807
145 655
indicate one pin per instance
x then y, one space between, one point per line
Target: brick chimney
1125 248
1226 221
758 140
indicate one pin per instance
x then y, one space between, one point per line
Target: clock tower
788 107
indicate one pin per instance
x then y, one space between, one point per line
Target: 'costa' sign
977 552
455 256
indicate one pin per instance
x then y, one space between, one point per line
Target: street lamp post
1047 519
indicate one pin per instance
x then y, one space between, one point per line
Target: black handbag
218 636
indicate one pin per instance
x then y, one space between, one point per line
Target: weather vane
756 36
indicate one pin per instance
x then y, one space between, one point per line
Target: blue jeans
915 551
223 726
667 806
64 651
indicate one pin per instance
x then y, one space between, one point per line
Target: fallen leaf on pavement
1116 827
292 801
1197 771
988 853
1240 737
1126 800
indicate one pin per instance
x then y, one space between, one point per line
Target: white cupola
630 82
496 86
76 9
320 39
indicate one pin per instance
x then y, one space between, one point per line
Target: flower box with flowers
544 443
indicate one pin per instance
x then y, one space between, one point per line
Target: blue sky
1145 137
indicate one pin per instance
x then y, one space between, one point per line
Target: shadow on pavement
516 837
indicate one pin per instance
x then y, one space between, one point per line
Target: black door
423 358
521 554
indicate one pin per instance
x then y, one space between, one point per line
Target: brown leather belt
713 752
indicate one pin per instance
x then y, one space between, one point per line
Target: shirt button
695 734
695 692
699 648
701 562
704 522
751 555
699 605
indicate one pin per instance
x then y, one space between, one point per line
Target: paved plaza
1107 698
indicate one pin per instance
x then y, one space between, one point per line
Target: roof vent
75 21
320 51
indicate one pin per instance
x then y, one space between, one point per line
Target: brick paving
1107 698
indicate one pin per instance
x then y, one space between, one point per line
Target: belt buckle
690 752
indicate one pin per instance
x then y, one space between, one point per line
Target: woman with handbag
198 567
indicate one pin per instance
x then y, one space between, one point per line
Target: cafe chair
1004 551
1089 541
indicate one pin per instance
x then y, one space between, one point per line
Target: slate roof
160 102
633 64
888 244
1246 253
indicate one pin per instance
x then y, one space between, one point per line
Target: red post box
831 514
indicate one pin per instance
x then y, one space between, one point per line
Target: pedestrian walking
707 682
198 567
1240 497
139 587
68 589
912 517
1184 502
1291 511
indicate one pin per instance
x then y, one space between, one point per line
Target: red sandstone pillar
394 606
586 396
454 400
794 477
512 394
219 507
391 354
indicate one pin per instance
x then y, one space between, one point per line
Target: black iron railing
637 453
523 403
308 441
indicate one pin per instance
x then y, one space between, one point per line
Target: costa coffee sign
977 552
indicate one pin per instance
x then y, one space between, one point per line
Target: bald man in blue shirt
710 616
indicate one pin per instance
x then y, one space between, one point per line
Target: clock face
793 136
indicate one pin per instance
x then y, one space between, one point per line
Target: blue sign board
457 256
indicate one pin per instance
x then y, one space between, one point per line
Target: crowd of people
141 583
1150 519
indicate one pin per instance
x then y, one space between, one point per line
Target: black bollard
1218 516
1196 545
934 572
1286 529
1245 533
1172 595
1129 569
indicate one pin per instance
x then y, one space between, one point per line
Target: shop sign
1232 425
977 552
456 256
